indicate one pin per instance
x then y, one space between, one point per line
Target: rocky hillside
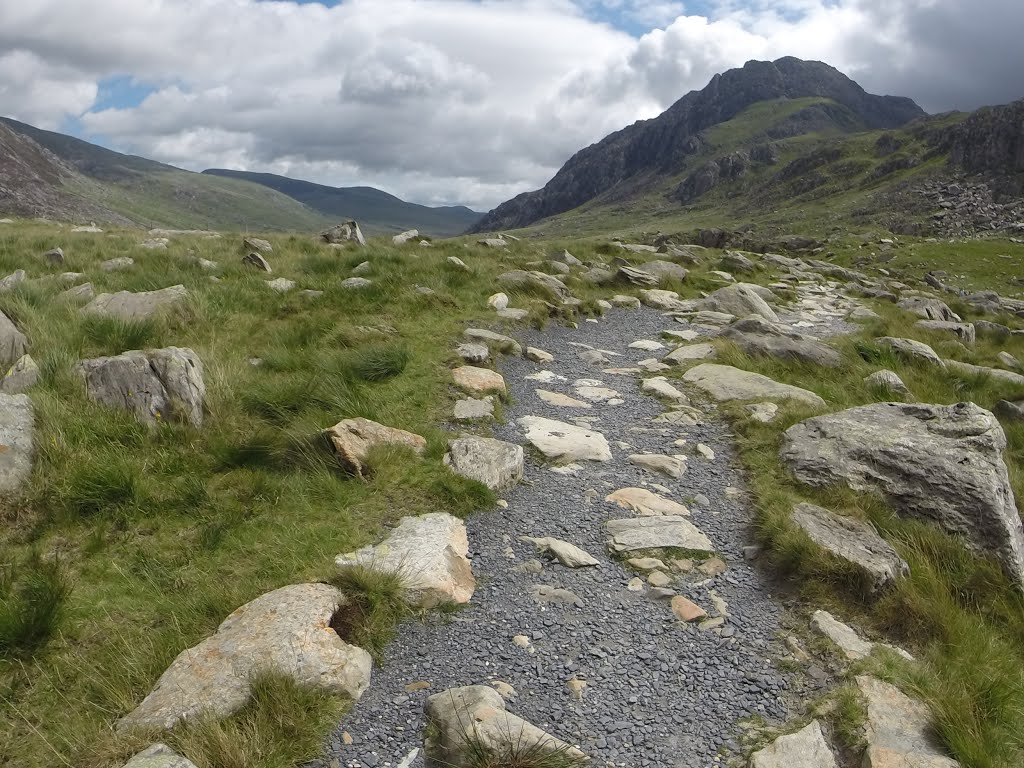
377 211
662 146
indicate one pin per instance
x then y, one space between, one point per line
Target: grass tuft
379 363
376 606
32 596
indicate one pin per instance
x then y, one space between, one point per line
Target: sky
448 102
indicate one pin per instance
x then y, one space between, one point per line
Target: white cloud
456 100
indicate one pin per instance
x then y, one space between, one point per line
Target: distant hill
43 173
642 156
373 209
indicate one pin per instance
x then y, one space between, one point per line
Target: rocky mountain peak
662 145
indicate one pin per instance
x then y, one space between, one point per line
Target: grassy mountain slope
373 209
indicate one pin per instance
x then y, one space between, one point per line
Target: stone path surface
656 691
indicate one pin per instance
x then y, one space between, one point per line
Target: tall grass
32 597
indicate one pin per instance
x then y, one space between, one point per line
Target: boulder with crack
938 463
429 555
287 631
157 385
353 438
494 463
854 541
465 723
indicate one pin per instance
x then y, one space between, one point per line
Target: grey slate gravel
659 693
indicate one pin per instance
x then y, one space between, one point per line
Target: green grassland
153 536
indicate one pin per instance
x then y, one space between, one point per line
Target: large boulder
740 299
494 463
537 282
565 442
13 343
899 730
429 553
158 385
939 463
853 541
136 306
287 631
757 336
17 438
724 383
347 232
464 723
353 438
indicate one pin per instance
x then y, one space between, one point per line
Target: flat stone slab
806 748
559 400
855 542
353 438
136 306
17 440
429 552
478 381
287 631
850 643
899 729
631 534
477 713
471 409
646 503
724 383
494 463
565 442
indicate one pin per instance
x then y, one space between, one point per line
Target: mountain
43 173
373 209
638 157
52 175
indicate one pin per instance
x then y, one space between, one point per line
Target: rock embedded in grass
936 463
355 283
888 380
256 244
757 336
478 381
429 555
853 541
353 438
899 730
473 353
965 332
725 383
13 343
287 631
24 374
741 300
471 409
12 281
156 386
159 756
135 306
17 435
504 344
806 748
911 349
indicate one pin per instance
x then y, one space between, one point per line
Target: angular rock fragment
631 534
353 438
899 729
567 554
806 748
494 463
646 503
565 442
429 554
479 381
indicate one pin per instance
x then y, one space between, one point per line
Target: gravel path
658 693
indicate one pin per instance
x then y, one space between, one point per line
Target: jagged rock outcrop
660 146
991 141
